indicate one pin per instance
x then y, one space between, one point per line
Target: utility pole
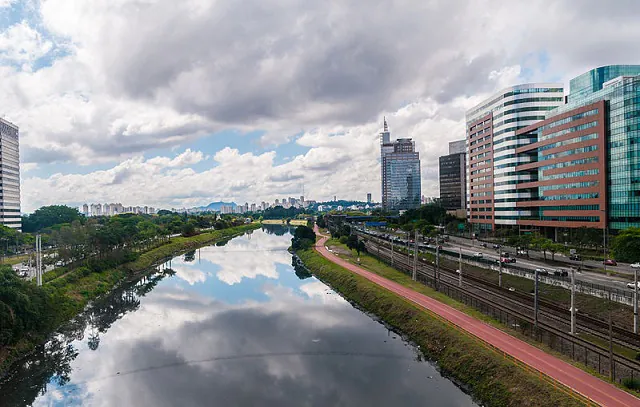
408 249
535 300
635 300
612 373
39 260
573 304
415 257
391 242
604 244
437 262
460 267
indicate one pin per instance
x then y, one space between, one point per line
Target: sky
180 103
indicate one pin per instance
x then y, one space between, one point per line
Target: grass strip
490 377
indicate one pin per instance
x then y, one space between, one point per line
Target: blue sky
174 104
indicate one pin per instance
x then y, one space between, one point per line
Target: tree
189 229
554 248
626 245
352 242
48 216
303 238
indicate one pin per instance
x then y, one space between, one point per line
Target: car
542 272
522 253
496 246
610 262
575 257
635 265
483 245
630 285
478 254
560 273
506 260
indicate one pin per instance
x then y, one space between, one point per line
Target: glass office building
491 133
400 170
619 87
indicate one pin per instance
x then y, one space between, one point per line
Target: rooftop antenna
386 128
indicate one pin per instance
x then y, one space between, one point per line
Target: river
233 324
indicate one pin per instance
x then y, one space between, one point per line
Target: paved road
535 255
590 386
468 248
532 264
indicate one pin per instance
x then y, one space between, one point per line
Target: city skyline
109 118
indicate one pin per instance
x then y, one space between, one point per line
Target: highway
456 244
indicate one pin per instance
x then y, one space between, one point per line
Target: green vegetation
303 238
184 244
491 378
279 212
29 313
48 216
626 245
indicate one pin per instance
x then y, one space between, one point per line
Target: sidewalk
587 385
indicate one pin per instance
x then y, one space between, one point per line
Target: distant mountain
217 206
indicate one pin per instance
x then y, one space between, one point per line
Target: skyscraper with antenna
400 172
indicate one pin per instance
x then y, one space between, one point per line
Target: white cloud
138 75
22 44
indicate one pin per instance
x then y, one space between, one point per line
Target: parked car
560 273
496 246
610 262
542 272
635 265
507 260
484 245
575 257
630 285
478 255
522 253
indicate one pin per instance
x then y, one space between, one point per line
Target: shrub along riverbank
28 314
490 377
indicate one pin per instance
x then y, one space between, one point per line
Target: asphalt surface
536 260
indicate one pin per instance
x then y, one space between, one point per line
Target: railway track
520 302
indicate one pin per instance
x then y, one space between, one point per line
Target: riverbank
490 377
73 291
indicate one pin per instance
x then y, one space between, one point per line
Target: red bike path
589 386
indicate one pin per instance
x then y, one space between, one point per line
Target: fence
592 356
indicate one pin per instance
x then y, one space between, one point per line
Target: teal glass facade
594 80
622 97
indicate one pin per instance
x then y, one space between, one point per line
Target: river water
232 324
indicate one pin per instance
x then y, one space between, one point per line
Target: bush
344 239
631 383
303 238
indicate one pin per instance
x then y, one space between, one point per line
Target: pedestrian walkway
580 381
